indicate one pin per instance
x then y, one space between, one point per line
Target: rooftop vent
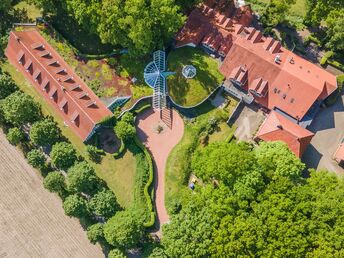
278 59
280 127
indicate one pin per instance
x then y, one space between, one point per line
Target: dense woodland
249 201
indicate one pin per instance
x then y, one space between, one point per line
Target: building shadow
311 157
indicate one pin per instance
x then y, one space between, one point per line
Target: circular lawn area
190 92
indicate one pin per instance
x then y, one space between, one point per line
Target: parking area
248 123
329 128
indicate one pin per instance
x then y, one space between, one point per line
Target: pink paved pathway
160 145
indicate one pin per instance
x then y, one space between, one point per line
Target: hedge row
149 198
120 151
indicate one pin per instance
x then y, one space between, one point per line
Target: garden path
159 145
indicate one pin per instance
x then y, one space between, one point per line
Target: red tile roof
276 127
205 23
339 155
50 75
294 84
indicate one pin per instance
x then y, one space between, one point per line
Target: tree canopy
15 135
104 203
75 206
265 212
45 132
36 158
7 85
19 108
81 178
63 155
55 182
123 230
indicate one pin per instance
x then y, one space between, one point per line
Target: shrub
75 206
55 182
336 64
125 131
94 153
63 155
120 151
36 158
325 58
15 135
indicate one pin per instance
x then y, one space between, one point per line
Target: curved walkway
159 145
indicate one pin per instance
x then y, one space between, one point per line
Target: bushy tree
19 108
275 159
82 178
276 12
116 253
141 26
7 85
55 182
95 233
335 30
124 230
36 158
75 206
124 130
5 5
15 135
63 155
104 204
45 132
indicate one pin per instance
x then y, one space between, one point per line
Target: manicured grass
221 133
178 163
189 92
32 11
118 174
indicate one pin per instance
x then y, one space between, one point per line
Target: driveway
329 128
248 123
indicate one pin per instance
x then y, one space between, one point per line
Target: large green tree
335 30
55 182
36 158
19 108
15 135
63 155
82 178
45 132
124 230
104 204
7 85
75 206
95 233
276 12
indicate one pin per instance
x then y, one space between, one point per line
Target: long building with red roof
57 83
275 78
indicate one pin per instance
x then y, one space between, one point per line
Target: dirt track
32 221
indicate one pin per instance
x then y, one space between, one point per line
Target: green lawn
189 92
118 174
178 163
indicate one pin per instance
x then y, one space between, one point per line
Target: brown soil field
32 221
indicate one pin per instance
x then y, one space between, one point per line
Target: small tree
94 153
124 230
19 108
104 204
7 85
15 135
75 206
95 233
36 158
55 182
63 155
82 178
124 130
116 253
45 132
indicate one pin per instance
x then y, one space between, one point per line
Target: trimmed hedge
141 109
120 151
336 64
325 58
148 197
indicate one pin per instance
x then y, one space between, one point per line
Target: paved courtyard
329 128
248 123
